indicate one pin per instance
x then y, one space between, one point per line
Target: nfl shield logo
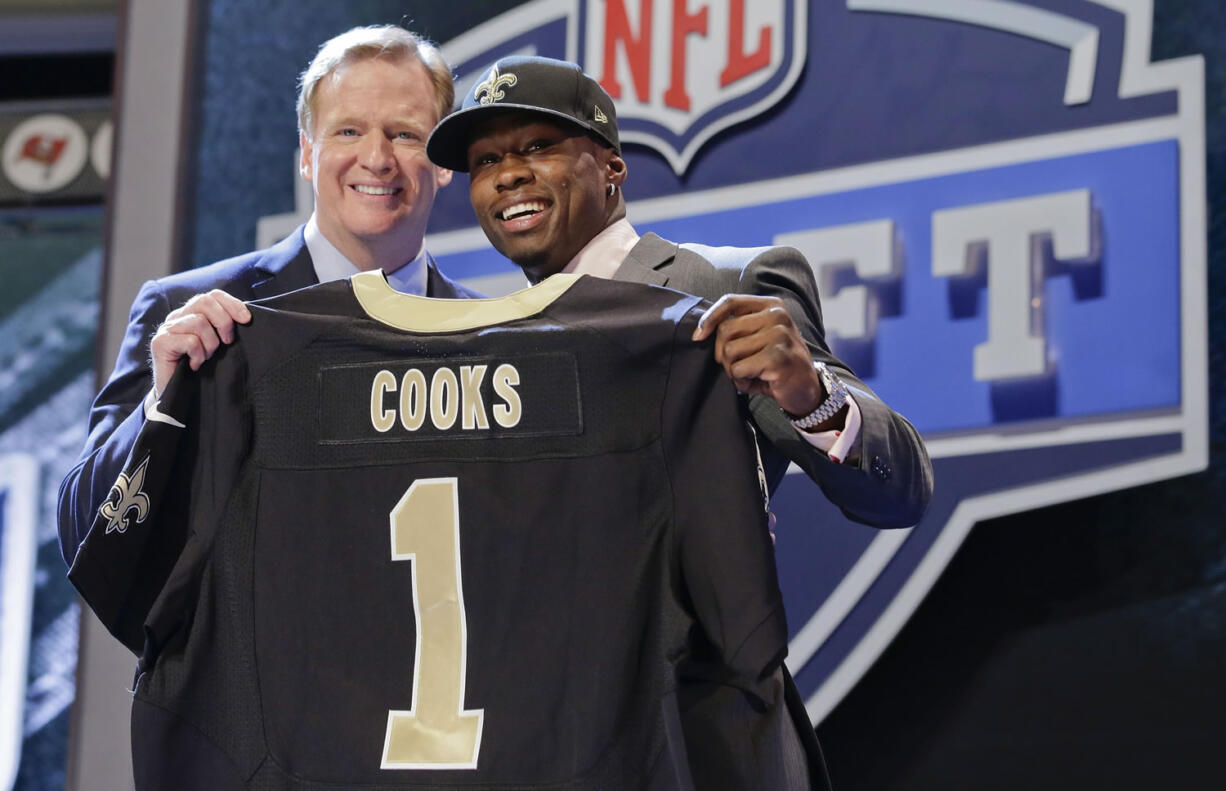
681 71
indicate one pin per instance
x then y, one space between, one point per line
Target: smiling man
539 140
366 104
540 221
362 134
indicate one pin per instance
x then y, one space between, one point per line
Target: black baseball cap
554 88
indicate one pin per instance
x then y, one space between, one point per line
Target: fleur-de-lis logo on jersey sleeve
491 90
126 496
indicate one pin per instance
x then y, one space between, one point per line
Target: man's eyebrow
352 120
342 121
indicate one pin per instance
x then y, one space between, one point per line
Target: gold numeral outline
437 732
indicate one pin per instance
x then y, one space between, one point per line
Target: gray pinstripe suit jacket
888 482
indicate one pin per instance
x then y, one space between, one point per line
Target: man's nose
377 154
513 171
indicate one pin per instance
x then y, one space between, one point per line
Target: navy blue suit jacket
116 418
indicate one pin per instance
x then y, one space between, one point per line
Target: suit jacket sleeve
115 419
890 483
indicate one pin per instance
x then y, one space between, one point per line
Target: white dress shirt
331 264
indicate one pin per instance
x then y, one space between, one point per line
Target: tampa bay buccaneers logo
125 497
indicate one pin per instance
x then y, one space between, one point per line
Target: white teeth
366 189
511 212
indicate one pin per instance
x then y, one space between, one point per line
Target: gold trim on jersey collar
424 314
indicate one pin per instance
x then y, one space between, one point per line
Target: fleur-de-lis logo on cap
493 85
125 496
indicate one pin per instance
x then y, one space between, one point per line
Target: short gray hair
365 43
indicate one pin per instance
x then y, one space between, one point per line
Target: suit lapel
648 261
438 285
285 267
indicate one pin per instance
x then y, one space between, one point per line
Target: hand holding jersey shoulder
195 330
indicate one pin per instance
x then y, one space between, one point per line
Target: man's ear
304 157
615 169
442 176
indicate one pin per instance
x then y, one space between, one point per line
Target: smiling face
540 189
366 159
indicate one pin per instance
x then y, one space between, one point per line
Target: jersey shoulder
623 309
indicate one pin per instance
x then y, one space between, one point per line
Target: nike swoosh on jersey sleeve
154 413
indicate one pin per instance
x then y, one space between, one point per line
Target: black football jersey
385 542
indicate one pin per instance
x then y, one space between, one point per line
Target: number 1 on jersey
437 732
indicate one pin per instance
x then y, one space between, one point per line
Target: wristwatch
836 399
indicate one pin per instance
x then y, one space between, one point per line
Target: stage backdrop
990 196
1005 206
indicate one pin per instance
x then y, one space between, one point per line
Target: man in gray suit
539 140
366 104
